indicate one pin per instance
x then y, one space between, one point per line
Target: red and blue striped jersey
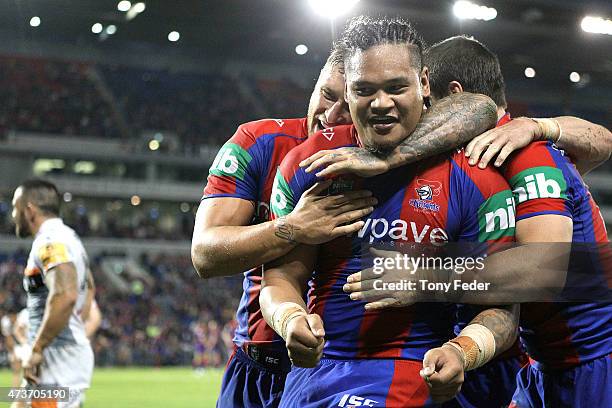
244 168
434 201
545 181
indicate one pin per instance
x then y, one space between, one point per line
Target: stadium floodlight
124 5
153 145
111 29
174 36
35 21
596 25
332 8
301 49
139 7
97 28
530 72
574 77
466 10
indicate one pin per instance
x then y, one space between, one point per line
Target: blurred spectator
157 324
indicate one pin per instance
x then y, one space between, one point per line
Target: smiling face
327 107
385 94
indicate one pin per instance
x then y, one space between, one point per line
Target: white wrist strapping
284 313
476 344
484 339
550 129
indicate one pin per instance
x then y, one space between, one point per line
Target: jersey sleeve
51 252
236 170
542 180
290 183
486 205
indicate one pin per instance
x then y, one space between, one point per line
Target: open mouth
321 125
382 123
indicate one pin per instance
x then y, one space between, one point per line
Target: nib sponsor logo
379 228
350 401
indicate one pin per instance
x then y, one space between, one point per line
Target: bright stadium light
574 77
466 10
139 7
111 29
596 25
35 21
97 28
301 49
124 5
174 36
530 72
332 8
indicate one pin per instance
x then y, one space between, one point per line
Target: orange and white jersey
55 244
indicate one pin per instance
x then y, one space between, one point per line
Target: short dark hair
469 62
365 32
43 194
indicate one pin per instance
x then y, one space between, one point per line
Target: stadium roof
544 34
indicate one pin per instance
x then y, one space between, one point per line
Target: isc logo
349 401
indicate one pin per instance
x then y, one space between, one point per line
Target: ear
454 87
425 83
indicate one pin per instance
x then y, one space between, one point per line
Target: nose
338 113
382 103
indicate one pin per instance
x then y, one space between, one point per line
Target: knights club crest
426 191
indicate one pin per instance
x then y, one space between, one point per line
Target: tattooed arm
224 243
450 123
503 322
588 144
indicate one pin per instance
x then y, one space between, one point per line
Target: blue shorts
248 384
490 386
588 385
357 383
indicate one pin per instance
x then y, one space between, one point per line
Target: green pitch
147 387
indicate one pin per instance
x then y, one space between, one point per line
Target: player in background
232 232
13 343
55 279
570 343
375 358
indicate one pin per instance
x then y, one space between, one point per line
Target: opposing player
232 233
55 279
373 358
570 343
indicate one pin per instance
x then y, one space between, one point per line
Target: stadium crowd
170 318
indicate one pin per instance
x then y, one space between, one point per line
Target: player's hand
372 285
305 340
31 366
443 371
346 160
318 219
501 141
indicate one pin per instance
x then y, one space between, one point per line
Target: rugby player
375 358
232 233
55 279
570 343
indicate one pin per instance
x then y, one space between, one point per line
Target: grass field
147 388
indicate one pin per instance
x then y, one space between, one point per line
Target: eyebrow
397 80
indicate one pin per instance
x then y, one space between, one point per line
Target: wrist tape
477 345
550 129
284 313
